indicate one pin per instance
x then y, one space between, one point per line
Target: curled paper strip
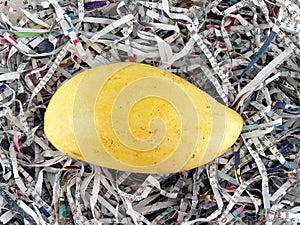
245 54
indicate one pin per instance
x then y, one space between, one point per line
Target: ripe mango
138 118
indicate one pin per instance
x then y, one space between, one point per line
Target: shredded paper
244 53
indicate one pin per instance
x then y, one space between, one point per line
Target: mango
138 118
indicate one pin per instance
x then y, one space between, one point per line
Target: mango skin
138 118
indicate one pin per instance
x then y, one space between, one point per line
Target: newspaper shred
245 53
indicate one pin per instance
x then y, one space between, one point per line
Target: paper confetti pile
245 53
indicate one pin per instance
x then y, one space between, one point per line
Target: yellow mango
138 118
